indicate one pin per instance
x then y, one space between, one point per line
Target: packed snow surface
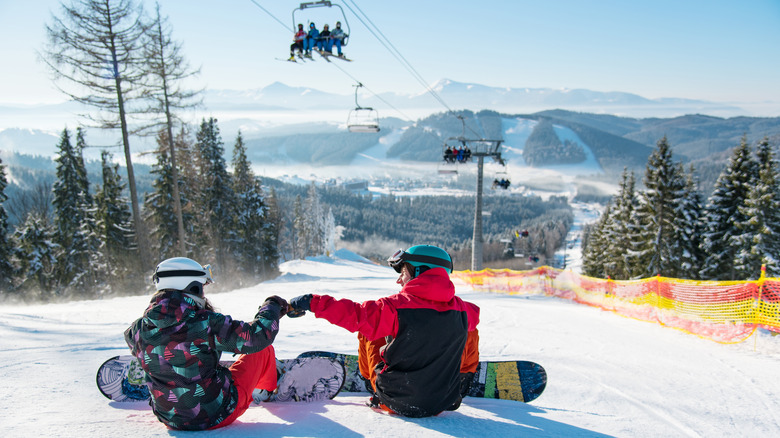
608 375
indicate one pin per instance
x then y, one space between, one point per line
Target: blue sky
716 50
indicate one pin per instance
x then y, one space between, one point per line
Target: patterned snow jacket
178 344
426 327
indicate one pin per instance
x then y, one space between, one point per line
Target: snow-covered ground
608 376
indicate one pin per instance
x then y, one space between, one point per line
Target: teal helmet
422 257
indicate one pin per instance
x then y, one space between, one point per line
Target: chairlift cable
395 52
399 56
270 14
372 92
392 51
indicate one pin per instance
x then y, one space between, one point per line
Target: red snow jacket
426 327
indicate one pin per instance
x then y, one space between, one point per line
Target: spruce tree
161 206
73 220
689 230
37 256
190 188
112 220
298 230
275 222
664 187
331 233
723 211
79 167
92 240
593 260
758 235
314 223
619 229
6 245
217 201
251 219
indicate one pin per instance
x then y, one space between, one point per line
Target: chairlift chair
362 119
339 16
446 170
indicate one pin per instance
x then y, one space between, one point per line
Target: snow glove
299 306
273 308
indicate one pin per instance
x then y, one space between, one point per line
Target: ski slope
608 375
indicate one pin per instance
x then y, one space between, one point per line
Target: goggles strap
180 273
427 259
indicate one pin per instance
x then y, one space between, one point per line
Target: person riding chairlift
311 40
298 41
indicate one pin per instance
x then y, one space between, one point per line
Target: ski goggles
396 261
209 275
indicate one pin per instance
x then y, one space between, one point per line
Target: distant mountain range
285 125
458 95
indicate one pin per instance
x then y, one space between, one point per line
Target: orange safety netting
724 311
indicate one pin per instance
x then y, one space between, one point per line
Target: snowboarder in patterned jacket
179 340
419 347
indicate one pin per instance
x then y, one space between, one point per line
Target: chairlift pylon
362 119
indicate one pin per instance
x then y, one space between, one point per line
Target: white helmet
181 273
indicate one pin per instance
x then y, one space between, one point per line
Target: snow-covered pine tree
90 278
758 238
723 211
37 257
251 222
218 201
596 246
272 251
6 246
113 222
664 187
73 220
619 228
314 223
331 233
298 230
689 229
161 206
81 170
190 185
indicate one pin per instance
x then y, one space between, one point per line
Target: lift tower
480 149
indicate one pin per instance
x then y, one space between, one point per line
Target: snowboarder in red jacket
297 44
419 347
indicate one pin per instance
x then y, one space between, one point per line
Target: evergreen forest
670 229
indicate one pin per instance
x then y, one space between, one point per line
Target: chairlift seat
363 119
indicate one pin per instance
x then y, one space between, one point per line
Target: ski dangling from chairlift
362 119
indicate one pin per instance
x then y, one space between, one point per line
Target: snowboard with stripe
508 380
122 379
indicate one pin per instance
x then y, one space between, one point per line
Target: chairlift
458 153
337 16
362 119
447 169
502 183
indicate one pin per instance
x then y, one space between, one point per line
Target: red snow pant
250 371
